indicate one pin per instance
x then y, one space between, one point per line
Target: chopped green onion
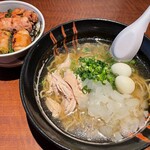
86 90
9 12
10 44
94 69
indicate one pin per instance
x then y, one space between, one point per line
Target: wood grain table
16 132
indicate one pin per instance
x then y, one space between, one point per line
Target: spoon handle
143 21
127 43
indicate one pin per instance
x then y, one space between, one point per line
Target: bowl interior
38 57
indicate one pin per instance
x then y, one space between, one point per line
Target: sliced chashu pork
54 107
60 87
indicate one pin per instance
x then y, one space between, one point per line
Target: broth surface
102 114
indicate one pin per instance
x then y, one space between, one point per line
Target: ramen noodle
92 99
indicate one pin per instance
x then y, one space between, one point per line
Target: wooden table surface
15 130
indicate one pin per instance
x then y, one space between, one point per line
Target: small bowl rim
42 28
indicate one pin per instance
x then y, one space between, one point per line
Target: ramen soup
91 97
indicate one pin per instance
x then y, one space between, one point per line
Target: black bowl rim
30 53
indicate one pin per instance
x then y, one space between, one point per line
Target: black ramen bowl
43 52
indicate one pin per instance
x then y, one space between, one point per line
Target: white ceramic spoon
128 41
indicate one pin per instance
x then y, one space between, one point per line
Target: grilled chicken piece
19 19
31 15
2 14
4 41
6 24
21 39
17 11
17 23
